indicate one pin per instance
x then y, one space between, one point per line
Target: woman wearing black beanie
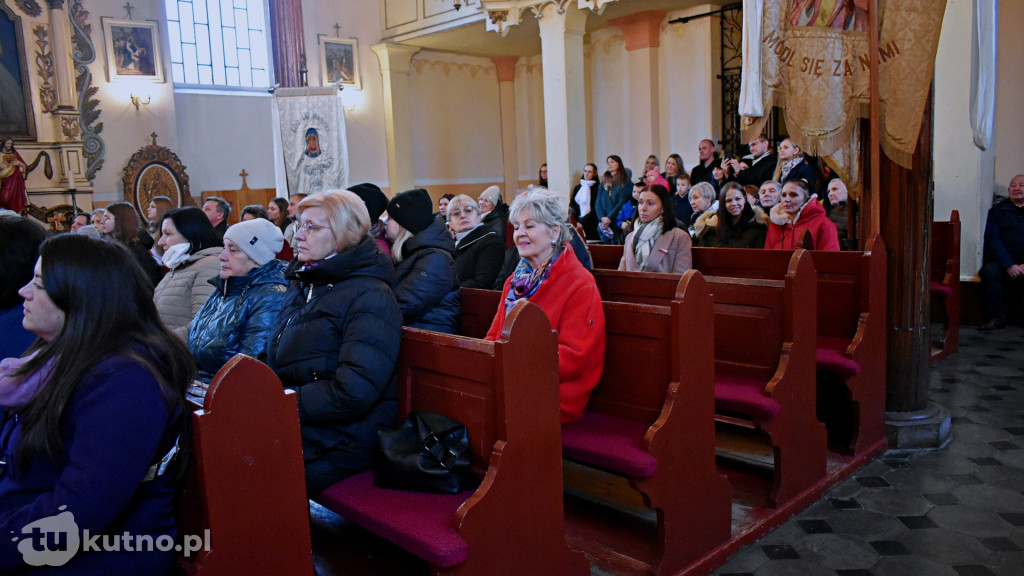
426 280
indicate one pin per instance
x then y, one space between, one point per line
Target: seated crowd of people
101 337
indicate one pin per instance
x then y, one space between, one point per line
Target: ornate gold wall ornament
70 128
44 68
30 7
84 53
155 171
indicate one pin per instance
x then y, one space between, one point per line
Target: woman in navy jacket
92 413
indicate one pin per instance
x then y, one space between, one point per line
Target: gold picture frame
133 49
339 62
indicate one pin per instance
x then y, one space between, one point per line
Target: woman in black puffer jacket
426 280
336 340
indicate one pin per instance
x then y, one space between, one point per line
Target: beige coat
184 290
671 253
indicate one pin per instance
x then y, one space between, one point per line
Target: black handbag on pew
428 452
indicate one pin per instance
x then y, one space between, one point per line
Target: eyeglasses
308 227
459 212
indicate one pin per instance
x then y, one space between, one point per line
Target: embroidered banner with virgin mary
813 62
312 145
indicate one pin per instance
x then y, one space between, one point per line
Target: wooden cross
57 219
128 7
243 175
153 136
337 29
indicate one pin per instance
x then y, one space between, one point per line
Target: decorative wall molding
71 128
503 14
44 68
606 45
447 66
29 7
83 54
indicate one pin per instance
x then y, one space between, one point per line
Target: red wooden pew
653 426
945 283
506 393
246 481
764 334
851 323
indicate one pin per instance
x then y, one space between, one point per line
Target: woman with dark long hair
736 224
190 247
94 412
656 245
616 191
121 223
277 210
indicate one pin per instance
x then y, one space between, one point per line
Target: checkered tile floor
954 512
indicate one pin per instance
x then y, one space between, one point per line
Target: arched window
219 42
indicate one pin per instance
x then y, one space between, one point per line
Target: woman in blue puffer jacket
250 290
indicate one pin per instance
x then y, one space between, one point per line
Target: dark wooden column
286 38
905 198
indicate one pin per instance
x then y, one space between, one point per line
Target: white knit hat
260 239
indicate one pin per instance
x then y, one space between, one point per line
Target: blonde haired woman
337 337
426 280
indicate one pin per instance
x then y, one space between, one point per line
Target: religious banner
312 144
815 65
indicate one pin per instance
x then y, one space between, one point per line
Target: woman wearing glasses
93 412
479 252
336 340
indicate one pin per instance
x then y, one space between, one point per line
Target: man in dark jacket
706 167
756 167
1003 268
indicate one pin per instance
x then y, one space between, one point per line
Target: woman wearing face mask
800 210
190 252
736 224
656 245
237 317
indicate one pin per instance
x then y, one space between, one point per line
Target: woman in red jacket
800 210
550 276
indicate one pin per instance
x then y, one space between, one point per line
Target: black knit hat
373 197
413 209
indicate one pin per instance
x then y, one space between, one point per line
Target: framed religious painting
155 171
133 49
16 117
339 61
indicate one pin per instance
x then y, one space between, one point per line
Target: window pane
245 72
205 75
226 13
174 37
259 55
230 48
172 9
203 44
200 13
188 32
242 28
191 66
233 76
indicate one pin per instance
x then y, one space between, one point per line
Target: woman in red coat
800 210
550 276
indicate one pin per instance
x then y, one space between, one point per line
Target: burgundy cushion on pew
609 443
420 522
831 356
744 395
940 288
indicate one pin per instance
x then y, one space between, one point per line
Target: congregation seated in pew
336 340
550 275
799 210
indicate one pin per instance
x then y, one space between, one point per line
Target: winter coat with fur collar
784 234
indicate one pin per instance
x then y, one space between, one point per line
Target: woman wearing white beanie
237 317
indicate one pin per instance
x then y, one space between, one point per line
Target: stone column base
924 429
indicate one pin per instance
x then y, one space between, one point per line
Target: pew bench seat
609 443
831 357
940 289
744 395
420 522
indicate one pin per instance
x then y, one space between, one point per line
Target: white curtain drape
983 71
751 104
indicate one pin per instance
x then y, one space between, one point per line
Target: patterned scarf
643 241
789 166
526 281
